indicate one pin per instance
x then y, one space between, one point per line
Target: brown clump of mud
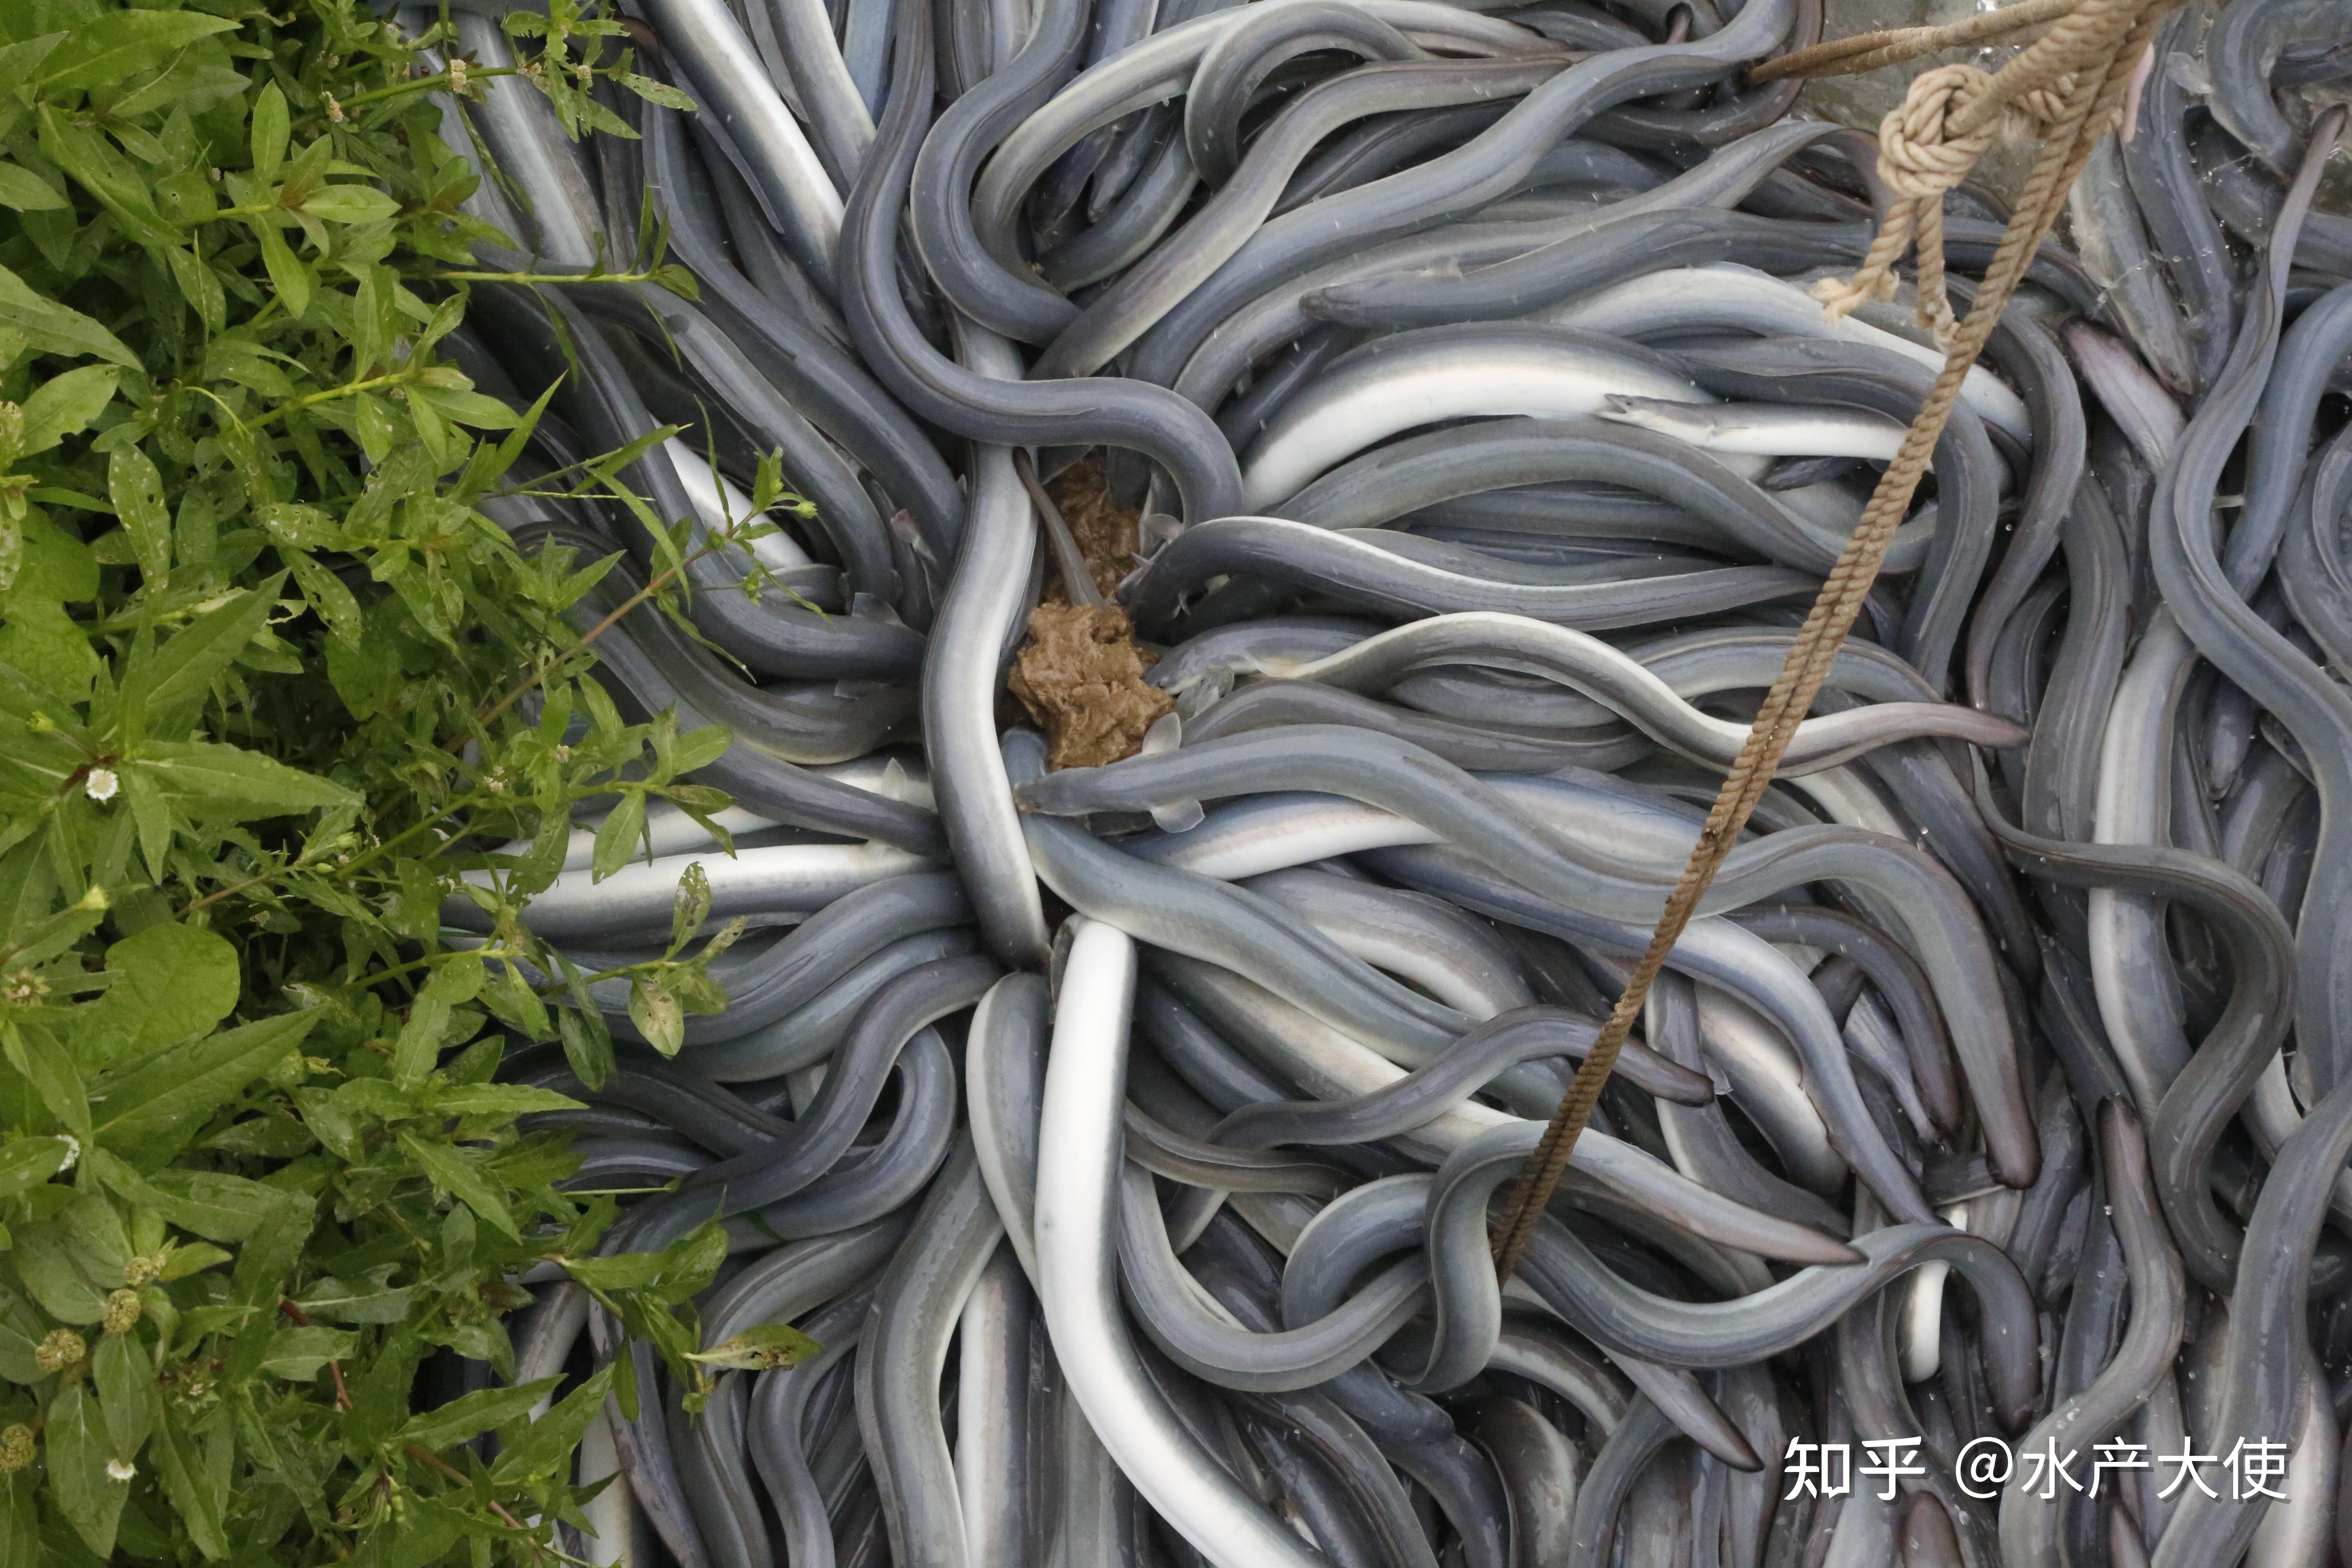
1106 530
1081 676
1079 673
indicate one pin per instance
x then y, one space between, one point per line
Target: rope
1868 51
2072 80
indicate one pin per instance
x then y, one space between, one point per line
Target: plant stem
648 276
660 581
302 1320
426 1457
461 803
427 84
348 389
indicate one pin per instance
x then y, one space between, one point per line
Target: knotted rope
2071 83
1922 153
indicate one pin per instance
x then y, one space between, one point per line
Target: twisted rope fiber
2076 75
1891 46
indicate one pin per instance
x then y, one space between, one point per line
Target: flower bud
58 1349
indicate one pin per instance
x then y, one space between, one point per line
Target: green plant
261 671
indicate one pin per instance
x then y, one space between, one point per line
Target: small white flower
73 1150
119 1470
102 784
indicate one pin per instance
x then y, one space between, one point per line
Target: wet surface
1862 101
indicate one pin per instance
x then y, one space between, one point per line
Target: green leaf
116 44
587 1040
695 988
50 328
176 980
308 169
425 1537
185 671
274 528
156 1107
350 203
506 1100
120 185
125 1380
200 286
65 404
379 431
689 906
54 565
48 935
206 778
338 1302
621 1271
27 192
153 816
654 90
700 748
18 61
452 1170
511 1000
21 1328
766 1348
46 1265
268 136
380 1390
32 1050
299 1353
677 1273
196 80
433 432
29 1161
326 595
263 1262
366 676
137 490
546 1447
618 835
483 413
94 1232
39 638
457 981
191 1258
464 1417
20 1519
287 273
658 1013
91 1500
376 1097
212 1204
237 357
197 1484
